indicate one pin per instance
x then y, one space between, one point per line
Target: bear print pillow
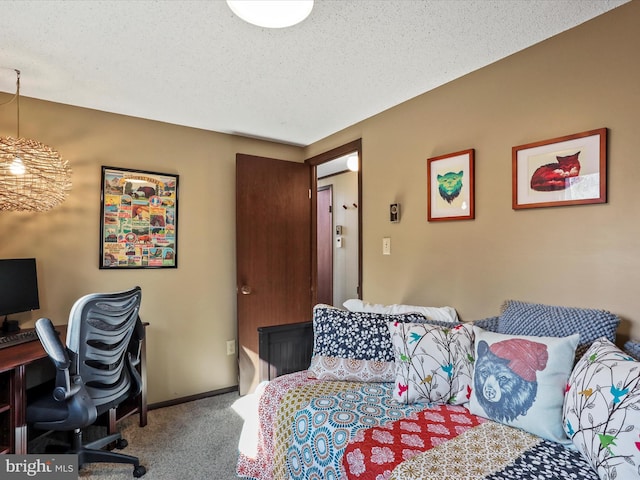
521 380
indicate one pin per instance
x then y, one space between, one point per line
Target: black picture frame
138 219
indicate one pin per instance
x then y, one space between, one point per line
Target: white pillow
443 314
601 410
433 364
521 380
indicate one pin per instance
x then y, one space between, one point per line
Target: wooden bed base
284 349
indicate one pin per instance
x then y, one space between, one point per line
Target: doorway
337 230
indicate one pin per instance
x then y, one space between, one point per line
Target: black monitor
18 286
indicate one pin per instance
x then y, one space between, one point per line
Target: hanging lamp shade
33 176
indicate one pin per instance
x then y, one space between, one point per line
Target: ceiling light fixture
33 176
271 13
352 162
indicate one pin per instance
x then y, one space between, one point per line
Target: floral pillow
354 346
434 364
601 412
520 381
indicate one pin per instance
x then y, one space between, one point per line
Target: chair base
86 456
92 452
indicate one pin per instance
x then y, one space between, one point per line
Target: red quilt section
373 453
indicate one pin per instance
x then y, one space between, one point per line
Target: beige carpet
191 441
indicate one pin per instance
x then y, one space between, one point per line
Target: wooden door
273 252
325 245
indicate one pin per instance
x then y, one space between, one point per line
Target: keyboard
16 338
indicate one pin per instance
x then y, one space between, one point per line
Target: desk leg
140 402
142 405
112 419
20 414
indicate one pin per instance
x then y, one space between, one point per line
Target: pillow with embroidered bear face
601 413
520 381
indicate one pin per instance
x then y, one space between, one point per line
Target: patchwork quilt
318 429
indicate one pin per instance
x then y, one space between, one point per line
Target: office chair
96 371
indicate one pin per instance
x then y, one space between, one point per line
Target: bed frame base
284 349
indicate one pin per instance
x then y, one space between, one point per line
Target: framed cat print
569 170
450 187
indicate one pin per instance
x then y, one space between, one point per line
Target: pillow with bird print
601 413
434 364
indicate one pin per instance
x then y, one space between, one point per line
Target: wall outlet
231 347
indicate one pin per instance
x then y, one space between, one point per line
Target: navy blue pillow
356 335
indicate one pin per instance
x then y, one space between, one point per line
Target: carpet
197 440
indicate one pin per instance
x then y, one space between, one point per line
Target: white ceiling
194 63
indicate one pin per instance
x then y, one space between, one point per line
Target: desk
13 394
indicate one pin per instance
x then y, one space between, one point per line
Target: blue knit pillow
632 347
522 318
490 324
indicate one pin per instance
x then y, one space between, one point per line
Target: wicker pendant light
33 176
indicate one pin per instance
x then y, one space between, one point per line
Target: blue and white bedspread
312 429
322 430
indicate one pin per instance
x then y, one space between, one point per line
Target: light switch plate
386 246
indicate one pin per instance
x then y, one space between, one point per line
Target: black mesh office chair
95 372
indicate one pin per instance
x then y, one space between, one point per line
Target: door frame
354 146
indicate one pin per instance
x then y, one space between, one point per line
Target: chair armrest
52 344
66 385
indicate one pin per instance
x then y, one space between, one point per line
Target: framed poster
138 219
450 187
570 170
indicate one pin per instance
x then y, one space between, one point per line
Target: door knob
245 290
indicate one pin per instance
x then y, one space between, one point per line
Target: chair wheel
139 471
121 443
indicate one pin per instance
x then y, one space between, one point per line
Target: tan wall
589 256
192 308
585 256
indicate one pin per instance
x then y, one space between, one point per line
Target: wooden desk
13 394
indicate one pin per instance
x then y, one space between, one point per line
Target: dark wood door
273 252
325 245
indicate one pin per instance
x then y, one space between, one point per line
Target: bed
313 426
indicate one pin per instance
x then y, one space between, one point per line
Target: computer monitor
18 286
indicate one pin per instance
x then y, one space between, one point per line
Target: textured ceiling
194 63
